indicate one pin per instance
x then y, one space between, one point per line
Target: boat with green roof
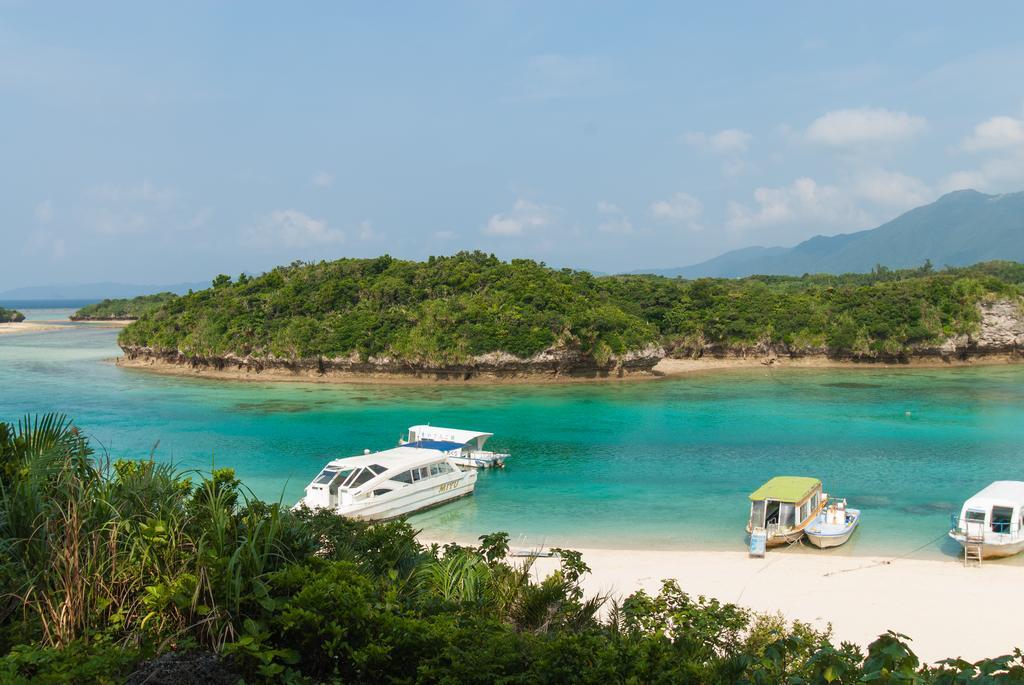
783 507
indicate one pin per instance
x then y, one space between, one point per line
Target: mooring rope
886 562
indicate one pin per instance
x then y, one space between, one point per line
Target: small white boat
464 447
384 485
781 509
991 523
833 526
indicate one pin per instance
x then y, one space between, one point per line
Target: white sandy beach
56 324
12 328
947 610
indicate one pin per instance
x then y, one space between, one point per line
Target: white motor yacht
991 523
384 485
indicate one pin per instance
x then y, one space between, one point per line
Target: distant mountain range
960 228
95 291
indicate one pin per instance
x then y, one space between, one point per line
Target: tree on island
11 316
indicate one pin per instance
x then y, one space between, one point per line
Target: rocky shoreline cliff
1000 334
554 363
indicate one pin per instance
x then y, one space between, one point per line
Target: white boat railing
487 454
962 526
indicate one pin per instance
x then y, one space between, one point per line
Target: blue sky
166 142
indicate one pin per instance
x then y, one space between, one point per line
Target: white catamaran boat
384 485
991 523
465 448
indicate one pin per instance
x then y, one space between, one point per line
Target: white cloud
322 179
367 232
962 180
113 222
201 218
997 133
43 212
114 210
145 192
681 208
802 202
292 228
525 216
865 125
615 220
551 76
997 175
892 189
1001 139
444 235
730 141
44 242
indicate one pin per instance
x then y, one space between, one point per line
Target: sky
169 142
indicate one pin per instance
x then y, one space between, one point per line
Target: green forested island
11 316
119 571
472 312
121 309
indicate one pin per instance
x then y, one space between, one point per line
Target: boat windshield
330 473
360 476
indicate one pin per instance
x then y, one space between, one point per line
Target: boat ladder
973 544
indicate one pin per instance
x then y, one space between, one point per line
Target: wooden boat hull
787 538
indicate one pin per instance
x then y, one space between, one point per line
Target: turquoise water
663 463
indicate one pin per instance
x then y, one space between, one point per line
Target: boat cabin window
403 477
757 514
975 516
805 510
787 515
815 500
1001 519
381 491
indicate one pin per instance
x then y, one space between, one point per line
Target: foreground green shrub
129 572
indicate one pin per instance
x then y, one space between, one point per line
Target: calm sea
664 464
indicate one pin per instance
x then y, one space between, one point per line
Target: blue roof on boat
440 445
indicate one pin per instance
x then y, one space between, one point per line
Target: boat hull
827 541
994 550
497 460
827 536
787 538
406 503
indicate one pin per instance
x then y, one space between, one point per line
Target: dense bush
444 310
448 309
882 314
128 572
10 315
123 309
